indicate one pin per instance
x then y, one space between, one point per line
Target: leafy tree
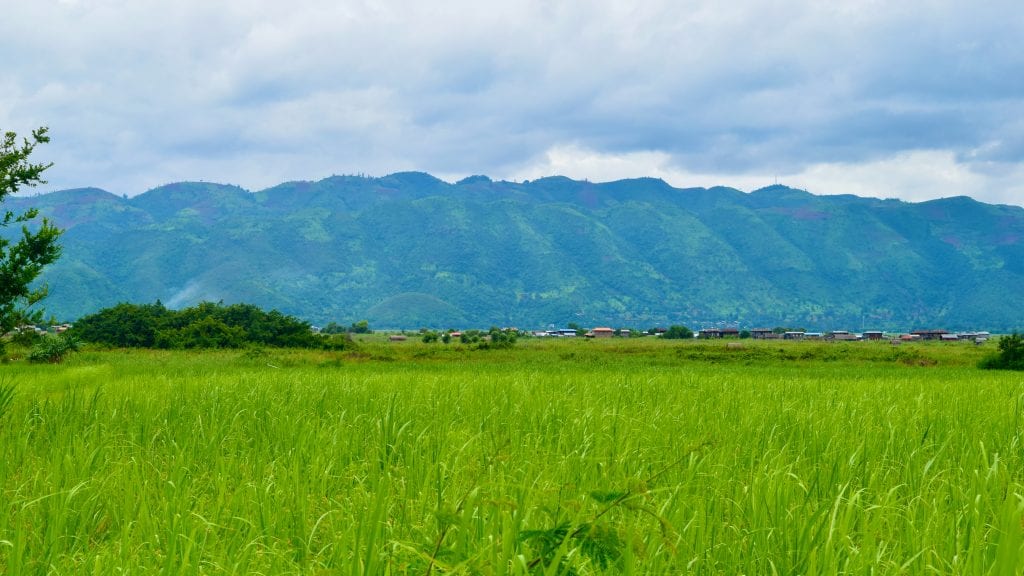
360 327
677 332
125 325
1010 355
333 328
206 325
206 332
21 262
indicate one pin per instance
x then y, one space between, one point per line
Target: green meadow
554 457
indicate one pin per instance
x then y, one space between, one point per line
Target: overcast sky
915 99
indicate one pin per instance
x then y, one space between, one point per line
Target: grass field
569 457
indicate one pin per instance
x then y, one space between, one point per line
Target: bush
677 332
1010 355
498 340
53 349
203 333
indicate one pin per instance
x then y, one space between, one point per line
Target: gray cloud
143 92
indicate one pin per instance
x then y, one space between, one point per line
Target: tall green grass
552 458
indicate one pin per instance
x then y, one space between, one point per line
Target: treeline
495 338
205 325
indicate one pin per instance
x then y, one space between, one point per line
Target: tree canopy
1010 356
23 259
677 332
205 325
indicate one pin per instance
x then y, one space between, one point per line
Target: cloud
912 176
142 92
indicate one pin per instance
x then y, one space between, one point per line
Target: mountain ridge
634 252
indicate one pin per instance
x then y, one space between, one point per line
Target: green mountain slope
409 250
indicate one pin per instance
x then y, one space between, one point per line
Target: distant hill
409 250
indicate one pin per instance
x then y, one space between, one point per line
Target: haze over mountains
409 250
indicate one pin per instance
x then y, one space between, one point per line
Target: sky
917 99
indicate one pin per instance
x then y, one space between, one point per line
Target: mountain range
409 250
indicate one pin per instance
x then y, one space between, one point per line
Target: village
777 334
601 332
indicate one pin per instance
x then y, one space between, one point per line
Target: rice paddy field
569 457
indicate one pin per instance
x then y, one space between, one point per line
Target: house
602 332
761 333
874 335
949 338
793 336
813 335
930 334
566 333
719 333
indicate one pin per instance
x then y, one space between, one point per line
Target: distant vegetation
206 325
492 339
677 332
360 327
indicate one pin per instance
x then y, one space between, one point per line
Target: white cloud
251 91
913 176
